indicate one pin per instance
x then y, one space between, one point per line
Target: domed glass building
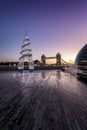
81 58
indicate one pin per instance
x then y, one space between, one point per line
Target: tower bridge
59 60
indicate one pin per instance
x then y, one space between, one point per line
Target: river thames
42 100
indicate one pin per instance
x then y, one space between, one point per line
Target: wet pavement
42 100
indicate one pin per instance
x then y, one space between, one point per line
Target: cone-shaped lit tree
25 54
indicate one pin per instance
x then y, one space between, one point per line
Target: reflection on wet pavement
42 100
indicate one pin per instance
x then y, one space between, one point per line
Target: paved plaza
42 100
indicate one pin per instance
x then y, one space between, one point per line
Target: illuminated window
83 60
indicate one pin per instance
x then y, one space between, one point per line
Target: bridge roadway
42 100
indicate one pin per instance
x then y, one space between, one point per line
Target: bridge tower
58 59
43 59
25 54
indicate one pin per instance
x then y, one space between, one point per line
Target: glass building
81 58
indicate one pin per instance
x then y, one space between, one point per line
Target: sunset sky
53 26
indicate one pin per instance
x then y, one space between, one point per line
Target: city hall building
81 58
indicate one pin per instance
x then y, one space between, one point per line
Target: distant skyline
53 26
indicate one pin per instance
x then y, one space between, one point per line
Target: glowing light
83 61
50 61
70 59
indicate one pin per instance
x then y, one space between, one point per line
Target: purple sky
53 26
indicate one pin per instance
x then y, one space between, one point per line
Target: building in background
81 62
81 58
